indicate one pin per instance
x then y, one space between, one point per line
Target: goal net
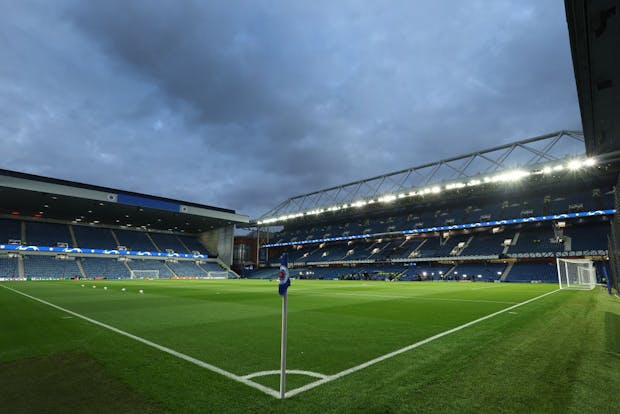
144 274
217 275
576 274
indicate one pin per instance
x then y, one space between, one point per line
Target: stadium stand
193 245
587 237
487 244
47 234
541 239
94 237
267 273
533 271
9 230
552 201
426 271
150 264
166 242
8 267
187 269
105 268
134 240
50 267
479 272
211 267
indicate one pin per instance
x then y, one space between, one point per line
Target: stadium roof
594 30
36 197
475 167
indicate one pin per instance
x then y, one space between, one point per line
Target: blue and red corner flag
284 279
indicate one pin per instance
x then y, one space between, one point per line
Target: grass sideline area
560 353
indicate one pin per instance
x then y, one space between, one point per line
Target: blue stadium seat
39 266
187 269
47 234
150 264
94 237
135 240
533 271
9 230
102 267
8 267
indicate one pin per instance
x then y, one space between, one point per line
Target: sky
243 104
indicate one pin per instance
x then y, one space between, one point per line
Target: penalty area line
162 348
366 364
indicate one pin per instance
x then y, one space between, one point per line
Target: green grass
560 353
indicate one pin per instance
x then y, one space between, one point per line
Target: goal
144 274
576 274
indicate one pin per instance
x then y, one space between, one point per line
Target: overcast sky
242 104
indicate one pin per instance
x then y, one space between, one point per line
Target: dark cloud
245 103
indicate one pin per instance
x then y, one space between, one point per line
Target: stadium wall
220 242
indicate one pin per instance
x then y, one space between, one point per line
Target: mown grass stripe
162 348
408 348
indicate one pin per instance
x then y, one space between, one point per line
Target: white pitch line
405 349
288 371
187 358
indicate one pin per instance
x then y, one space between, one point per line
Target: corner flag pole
285 282
283 349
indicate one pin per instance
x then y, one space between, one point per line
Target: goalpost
576 274
144 274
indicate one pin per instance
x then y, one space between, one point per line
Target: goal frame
144 274
586 274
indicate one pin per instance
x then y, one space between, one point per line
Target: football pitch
214 346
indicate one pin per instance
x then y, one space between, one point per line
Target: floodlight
387 198
590 162
574 165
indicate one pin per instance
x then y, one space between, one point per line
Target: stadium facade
51 228
502 214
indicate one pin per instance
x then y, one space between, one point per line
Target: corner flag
285 281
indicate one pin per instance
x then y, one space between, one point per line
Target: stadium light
387 198
504 177
590 162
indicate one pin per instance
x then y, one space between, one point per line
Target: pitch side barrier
536 219
133 253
